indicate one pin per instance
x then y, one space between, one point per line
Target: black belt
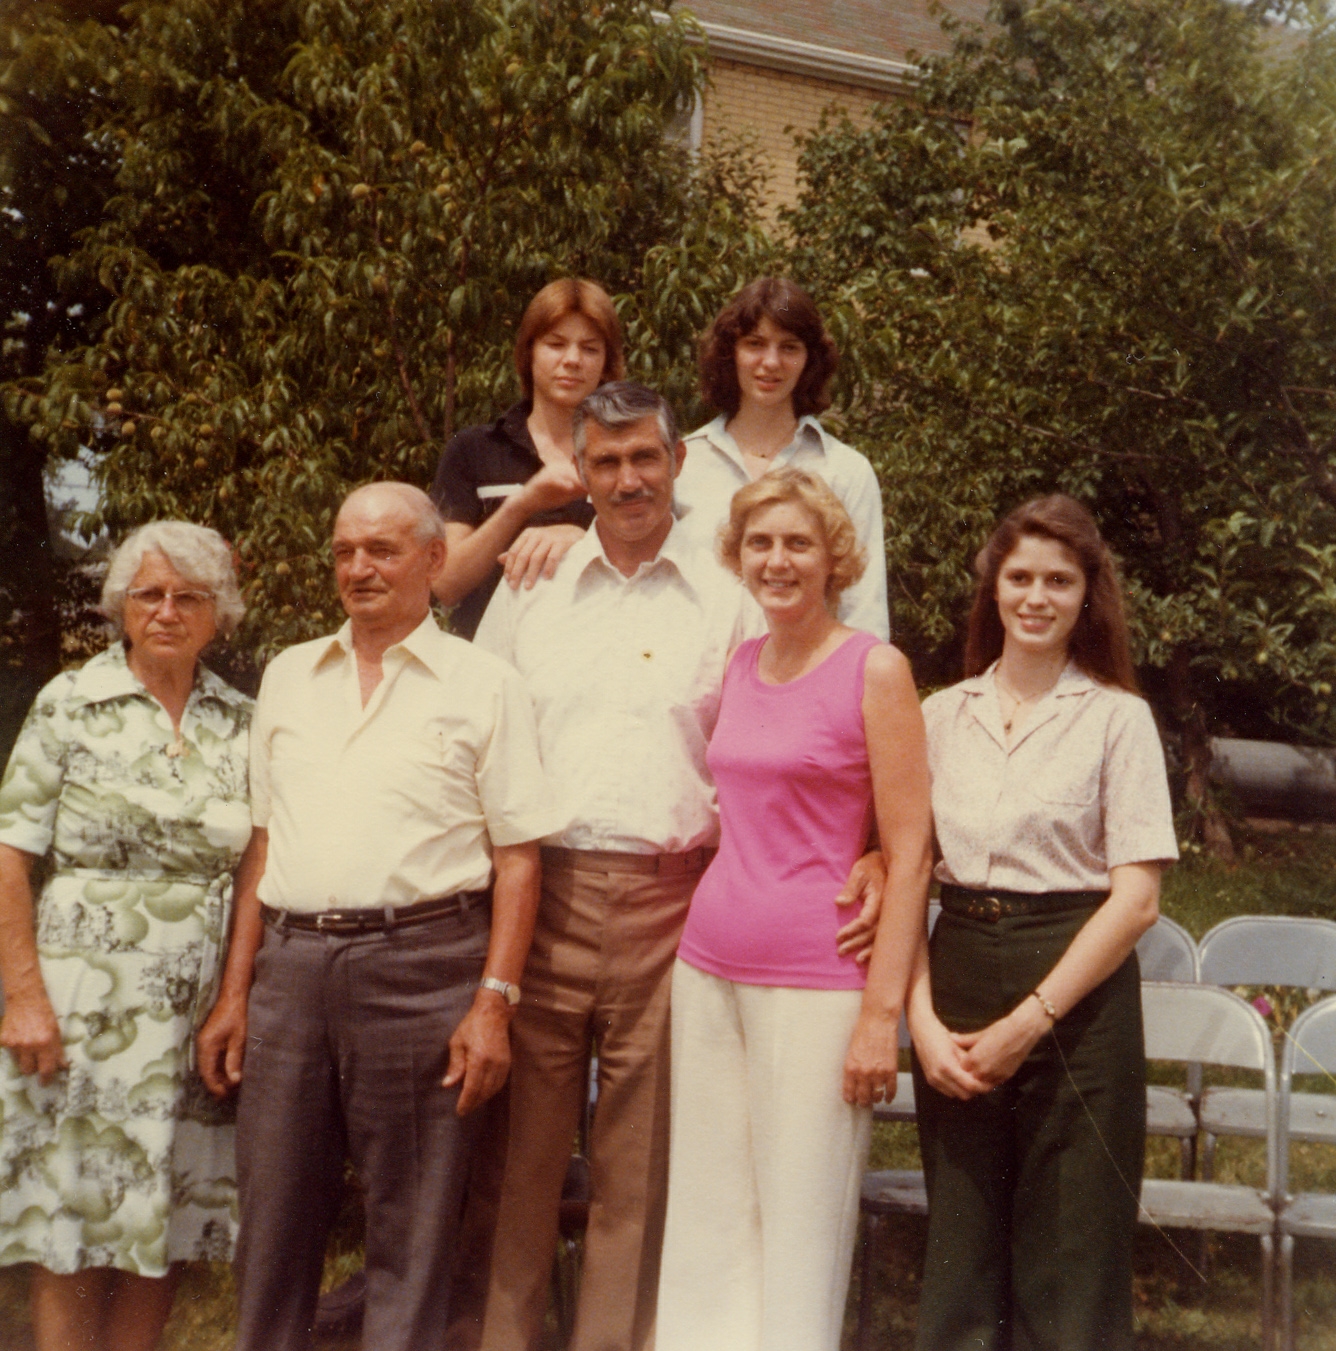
968 903
372 920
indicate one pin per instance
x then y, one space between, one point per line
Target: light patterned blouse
1082 789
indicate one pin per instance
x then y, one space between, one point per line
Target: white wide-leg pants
765 1164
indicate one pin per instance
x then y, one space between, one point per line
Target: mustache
621 499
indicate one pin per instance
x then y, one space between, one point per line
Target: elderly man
624 652
394 775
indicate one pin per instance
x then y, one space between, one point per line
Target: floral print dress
124 1160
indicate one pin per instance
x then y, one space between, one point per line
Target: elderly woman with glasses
128 783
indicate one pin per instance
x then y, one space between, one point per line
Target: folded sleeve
517 803
1138 814
864 605
261 724
455 487
30 790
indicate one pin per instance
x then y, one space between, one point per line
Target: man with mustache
624 653
383 914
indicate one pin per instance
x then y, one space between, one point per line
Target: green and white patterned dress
124 1160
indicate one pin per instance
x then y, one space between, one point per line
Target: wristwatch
510 993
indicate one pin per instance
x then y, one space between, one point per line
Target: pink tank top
795 804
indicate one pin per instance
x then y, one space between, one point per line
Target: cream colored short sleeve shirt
401 800
1081 790
626 675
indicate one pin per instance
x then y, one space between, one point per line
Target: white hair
427 522
199 554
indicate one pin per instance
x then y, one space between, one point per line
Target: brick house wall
851 54
772 106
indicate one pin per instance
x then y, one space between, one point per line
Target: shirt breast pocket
1067 780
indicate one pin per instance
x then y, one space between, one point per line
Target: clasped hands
965 1064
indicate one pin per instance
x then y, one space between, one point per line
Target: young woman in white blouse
765 362
1052 817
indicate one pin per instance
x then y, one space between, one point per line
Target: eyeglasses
154 598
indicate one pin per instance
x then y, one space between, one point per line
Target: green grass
1290 873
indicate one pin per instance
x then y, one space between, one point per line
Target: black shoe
338 1312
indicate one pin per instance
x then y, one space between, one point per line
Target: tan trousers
598 974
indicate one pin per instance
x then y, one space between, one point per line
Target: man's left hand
480 1051
867 882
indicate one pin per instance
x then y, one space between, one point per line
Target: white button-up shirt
1081 790
401 800
626 674
715 470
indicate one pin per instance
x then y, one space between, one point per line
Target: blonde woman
781 1043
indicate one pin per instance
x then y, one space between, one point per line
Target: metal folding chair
1310 1048
1201 1024
1262 950
1167 952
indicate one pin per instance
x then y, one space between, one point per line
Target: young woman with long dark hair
1052 817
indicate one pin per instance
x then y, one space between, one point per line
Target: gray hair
202 556
427 522
623 403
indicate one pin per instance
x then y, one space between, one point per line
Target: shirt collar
676 551
108 676
514 424
420 644
1073 680
809 433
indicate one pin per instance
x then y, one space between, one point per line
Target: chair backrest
1270 950
1167 952
1310 1048
1205 1024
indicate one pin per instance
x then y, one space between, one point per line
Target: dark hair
570 295
787 305
1099 643
623 403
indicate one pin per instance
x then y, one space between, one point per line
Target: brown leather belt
372 920
967 903
616 861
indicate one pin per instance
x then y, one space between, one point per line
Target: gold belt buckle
992 909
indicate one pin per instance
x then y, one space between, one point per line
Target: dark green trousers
1032 1188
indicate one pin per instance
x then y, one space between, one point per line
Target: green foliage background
1100 256
289 242
323 222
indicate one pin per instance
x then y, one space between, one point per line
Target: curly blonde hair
848 558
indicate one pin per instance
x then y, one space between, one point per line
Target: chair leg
1186 1157
1268 1293
1285 1295
871 1230
1207 1156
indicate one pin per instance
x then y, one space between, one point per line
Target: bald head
379 497
389 547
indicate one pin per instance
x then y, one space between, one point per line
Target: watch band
510 993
